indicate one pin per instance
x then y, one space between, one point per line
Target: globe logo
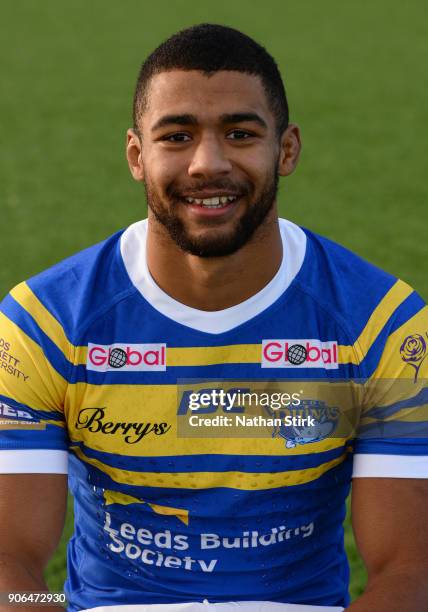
297 354
117 358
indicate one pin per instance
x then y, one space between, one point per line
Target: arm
389 518
32 514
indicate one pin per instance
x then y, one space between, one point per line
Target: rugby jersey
98 371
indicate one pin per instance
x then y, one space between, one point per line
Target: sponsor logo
317 422
126 357
142 545
8 411
413 351
4 345
300 353
93 419
9 363
138 543
14 418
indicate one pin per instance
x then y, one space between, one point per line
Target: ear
290 148
134 155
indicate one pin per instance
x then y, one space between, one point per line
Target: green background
355 74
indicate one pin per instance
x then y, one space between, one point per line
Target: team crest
324 421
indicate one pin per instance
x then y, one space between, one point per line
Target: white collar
133 250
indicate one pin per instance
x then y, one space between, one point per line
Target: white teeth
215 202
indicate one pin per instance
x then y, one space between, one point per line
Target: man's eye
177 137
239 135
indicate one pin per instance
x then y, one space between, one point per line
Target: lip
202 195
196 210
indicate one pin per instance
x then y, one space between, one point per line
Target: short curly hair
210 48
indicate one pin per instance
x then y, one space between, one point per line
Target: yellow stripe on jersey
195 356
396 380
80 355
213 355
31 380
392 365
383 311
14 425
26 425
347 354
415 414
115 497
155 404
242 481
203 356
199 355
44 319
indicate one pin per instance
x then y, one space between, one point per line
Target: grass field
355 77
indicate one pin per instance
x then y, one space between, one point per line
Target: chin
220 245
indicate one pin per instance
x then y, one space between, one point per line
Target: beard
218 243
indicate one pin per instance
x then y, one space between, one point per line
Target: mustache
177 191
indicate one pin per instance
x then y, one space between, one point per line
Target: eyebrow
243 118
174 120
187 119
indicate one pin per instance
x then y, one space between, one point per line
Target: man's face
210 156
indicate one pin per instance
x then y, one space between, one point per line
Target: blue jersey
103 374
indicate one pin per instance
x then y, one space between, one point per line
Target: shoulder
340 278
369 303
74 291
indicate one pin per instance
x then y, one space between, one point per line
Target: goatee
217 244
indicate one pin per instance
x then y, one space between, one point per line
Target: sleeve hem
33 461
390 466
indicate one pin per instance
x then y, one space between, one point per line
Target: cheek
161 172
261 175
157 177
259 165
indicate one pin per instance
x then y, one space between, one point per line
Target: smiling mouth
213 202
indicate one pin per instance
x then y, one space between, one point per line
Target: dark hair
210 48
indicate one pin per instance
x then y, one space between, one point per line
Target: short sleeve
393 435
34 360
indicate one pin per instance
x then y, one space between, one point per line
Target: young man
212 289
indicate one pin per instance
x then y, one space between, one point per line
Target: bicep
390 521
32 515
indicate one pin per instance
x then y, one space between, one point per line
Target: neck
214 283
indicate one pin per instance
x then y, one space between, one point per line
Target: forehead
206 97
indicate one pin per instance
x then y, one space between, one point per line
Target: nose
209 159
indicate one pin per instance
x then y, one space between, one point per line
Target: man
103 353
